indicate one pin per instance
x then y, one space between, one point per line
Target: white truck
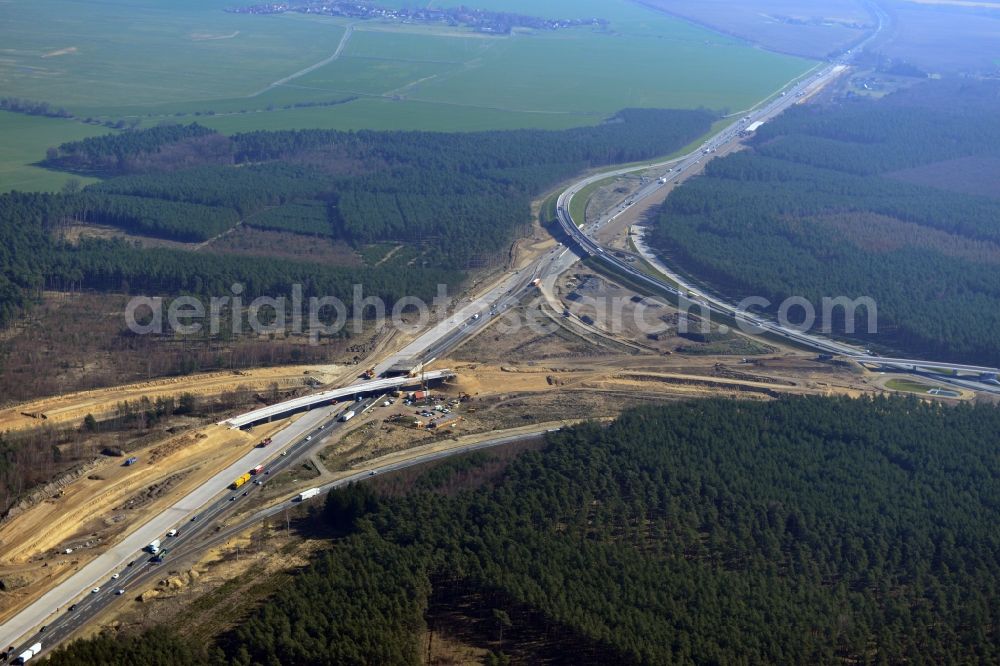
154 546
347 416
29 653
306 494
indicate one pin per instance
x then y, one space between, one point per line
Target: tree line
32 108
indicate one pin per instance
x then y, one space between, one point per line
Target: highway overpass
916 364
283 409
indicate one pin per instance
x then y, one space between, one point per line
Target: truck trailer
240 480
257 470
306 494
347 416
154 546
29 653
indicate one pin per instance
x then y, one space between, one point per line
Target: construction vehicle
369 373
240 480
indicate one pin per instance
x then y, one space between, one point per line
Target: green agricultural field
24 140
189 60
96 57
118 59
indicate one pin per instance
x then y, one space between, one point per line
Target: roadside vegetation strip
647 267
578 205
908 386
547 211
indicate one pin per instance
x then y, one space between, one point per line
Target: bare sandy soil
243 568
73 407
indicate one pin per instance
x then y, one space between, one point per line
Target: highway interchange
210 504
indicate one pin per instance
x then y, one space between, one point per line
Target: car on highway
194 518
172 533
44 627
233 498
245 493
130 563
120 591
308 437
71 608
115 576
95 590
